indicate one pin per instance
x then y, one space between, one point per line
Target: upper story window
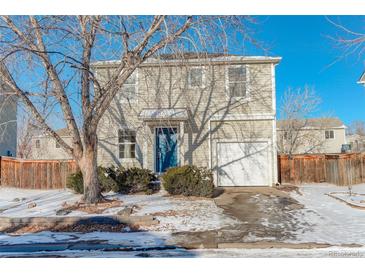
57 145
37 143
195 77
127 143
236 81
329 134
129 89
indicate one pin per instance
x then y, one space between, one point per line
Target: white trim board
243 117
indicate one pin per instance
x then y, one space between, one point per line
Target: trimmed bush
74 182
189 180
133 180
106 179
107 183
126 181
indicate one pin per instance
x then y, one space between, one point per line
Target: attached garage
244 164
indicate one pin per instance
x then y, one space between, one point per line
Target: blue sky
307 52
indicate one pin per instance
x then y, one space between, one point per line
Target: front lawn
174 213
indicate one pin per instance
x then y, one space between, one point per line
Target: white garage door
243 164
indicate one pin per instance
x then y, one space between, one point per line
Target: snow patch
327 220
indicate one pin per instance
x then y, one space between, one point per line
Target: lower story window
127 143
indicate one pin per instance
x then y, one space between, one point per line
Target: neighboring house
321 135
45 147
8 123
217 112
361 81
357 142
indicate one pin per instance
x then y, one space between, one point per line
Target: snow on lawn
330 220
174 213
16 202
178 213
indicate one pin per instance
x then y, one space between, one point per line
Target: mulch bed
83 228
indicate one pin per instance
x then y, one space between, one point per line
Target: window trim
127 100
329 130
189 78
127 143
247 80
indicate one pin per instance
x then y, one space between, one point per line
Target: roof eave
153 62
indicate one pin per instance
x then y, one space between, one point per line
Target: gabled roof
63 132
313 123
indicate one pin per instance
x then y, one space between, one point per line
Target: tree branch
9 81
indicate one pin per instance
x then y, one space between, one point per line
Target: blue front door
166 148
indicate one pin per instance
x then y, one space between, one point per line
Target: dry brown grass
93 208
188 198
168 213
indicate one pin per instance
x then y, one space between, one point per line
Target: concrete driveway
267 216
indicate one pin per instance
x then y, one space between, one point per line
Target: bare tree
56 53
27 129
348 40
297 106
357 127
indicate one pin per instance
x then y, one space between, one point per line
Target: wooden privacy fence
36 174
340 169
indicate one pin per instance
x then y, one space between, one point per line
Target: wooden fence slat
338 169
35 174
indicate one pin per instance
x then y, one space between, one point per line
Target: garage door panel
243 164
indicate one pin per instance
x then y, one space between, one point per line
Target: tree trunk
88 167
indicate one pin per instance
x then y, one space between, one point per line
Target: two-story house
218 112
8 123
45 147
315 135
